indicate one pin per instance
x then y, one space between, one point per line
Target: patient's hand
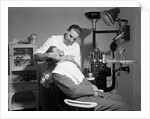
95 90
94 87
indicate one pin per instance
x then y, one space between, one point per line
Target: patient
72 82
66 66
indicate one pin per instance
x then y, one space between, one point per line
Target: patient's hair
50 49
51 61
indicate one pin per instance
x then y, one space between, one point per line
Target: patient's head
57 51
60 52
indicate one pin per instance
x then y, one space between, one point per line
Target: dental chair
64 103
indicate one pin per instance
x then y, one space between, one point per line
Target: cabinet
23 83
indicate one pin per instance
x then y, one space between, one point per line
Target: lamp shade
93 15
109 16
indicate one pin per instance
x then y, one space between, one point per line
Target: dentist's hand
60 52
70 57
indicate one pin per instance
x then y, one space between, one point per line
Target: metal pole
94 29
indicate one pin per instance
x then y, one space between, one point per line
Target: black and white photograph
64 59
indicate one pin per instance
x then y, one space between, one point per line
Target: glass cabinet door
22 57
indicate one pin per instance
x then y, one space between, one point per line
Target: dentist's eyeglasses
71 36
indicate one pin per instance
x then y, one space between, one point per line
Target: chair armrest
80 103
100 90
90 78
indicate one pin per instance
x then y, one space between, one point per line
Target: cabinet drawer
21 87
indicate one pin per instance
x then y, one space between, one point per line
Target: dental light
109 16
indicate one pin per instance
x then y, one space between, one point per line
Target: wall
132 89
49 21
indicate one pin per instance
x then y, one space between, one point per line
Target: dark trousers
48 99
